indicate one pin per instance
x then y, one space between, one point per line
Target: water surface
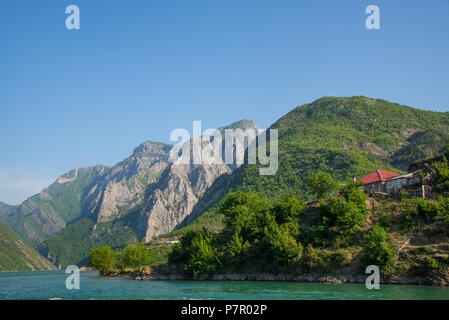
51 285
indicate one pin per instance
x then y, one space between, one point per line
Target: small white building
396 183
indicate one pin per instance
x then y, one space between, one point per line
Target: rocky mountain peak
152 148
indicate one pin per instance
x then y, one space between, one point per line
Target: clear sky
136 70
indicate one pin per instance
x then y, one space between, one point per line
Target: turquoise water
51 285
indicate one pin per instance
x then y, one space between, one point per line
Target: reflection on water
51 285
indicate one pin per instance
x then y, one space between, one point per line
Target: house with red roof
376 181
387 182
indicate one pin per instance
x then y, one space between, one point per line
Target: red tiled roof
379 175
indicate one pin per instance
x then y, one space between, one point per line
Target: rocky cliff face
166 192
182 186
54 207
124 187
6 209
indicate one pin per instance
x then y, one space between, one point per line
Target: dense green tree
236 249
244 213
181 252
440 171
204 257
103 259
377 251
341 214
287 208
353 192
322 184
136 256
283 246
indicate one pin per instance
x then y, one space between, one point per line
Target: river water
51 285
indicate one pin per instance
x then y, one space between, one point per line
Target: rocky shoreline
148 275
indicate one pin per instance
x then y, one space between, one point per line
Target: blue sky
136 70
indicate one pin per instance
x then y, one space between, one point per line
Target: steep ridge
17 255
345 136
182 186
54 207
143 196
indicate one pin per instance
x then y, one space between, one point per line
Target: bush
204 257
377 251
237 249
444 209
352 192
136 256
319 260
322 184
196 252
283 247
103 259
441 174
287 209
182 252
342 214
416 210
431 263
244 213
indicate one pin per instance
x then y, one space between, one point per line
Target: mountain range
17 255
146 195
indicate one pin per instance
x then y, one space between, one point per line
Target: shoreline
266 277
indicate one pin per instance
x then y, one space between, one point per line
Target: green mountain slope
72 245
54 207
6 209
347 137
116 228
16 254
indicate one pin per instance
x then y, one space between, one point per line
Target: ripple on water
51 285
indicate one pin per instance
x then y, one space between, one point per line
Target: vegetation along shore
331 239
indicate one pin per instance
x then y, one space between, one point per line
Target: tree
204 257
353 192
136 256
236 249
342 214
103 259
244 212
377 251
287 209
322 184
283 247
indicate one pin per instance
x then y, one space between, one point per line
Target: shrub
418 209
316 260
103 259
431 263
287 209
444 209
236 249
136 256
377 251
352 192
244 213
340 213
322 184
204 257
283 247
